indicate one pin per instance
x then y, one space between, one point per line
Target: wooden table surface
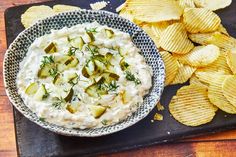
220 144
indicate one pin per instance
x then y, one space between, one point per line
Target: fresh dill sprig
104 122
112 86
72 51
58 103
47 60
93 51
92 30
130 77
53 72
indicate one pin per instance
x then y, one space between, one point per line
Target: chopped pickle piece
96 110
110 76
62 59
68 61
41 93
109 33
100 65
123 65
70 108
51 48
32 88
44 71
108 56
89 69
78 43
96 89
69 96
73 63
57 79
125 97
90 36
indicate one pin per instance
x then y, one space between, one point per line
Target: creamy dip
86 76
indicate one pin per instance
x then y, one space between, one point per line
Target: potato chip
213 5
153 10
98 5
195 80
148 29
229 89
215 94
171 66
200 56
158 117
59 8
222 30
231 59
159 27
191 106
219 39
186 4
127 15
184 73
200 20
206 77
160 107
174 39
220 65
121 7
35 13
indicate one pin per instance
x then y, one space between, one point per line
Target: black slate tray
35 141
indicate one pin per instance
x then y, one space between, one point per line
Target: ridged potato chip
127 15
35 13
154 10
191 106
148 29
158 28
229 89
200 20
206 77
186 4
174 39
222 30
215 94
59 8
121 7
231 59
195 80
171 66
213 4
219 39
184 73
200 56
220 65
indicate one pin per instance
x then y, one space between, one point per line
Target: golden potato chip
213 4
229 89
215 94
219 39
174 39
171 66
186 4
231 59
206 77
35 13
191 106
158 117
184 73
59 8
159 27
160 107
220 65
200 56
127 15
154 10
222 30
148 29
121 7
195 80
200 20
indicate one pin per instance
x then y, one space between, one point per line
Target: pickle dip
85 76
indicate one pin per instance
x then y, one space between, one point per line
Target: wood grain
216 145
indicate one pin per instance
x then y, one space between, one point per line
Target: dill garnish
130 77
47 60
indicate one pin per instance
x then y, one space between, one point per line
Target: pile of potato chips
195 46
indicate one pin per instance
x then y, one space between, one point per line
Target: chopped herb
104 122
112 86
53 72
42 119
46 60
72 51
94 51
130 77
45 95
92 30
58 103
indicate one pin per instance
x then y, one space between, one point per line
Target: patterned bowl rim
73 131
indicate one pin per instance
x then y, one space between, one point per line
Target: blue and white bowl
20 45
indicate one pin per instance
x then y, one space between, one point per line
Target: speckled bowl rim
94 132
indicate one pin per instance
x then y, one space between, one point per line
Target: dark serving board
32 140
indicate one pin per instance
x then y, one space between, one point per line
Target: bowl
18 49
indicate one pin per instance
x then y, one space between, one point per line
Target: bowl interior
20 45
